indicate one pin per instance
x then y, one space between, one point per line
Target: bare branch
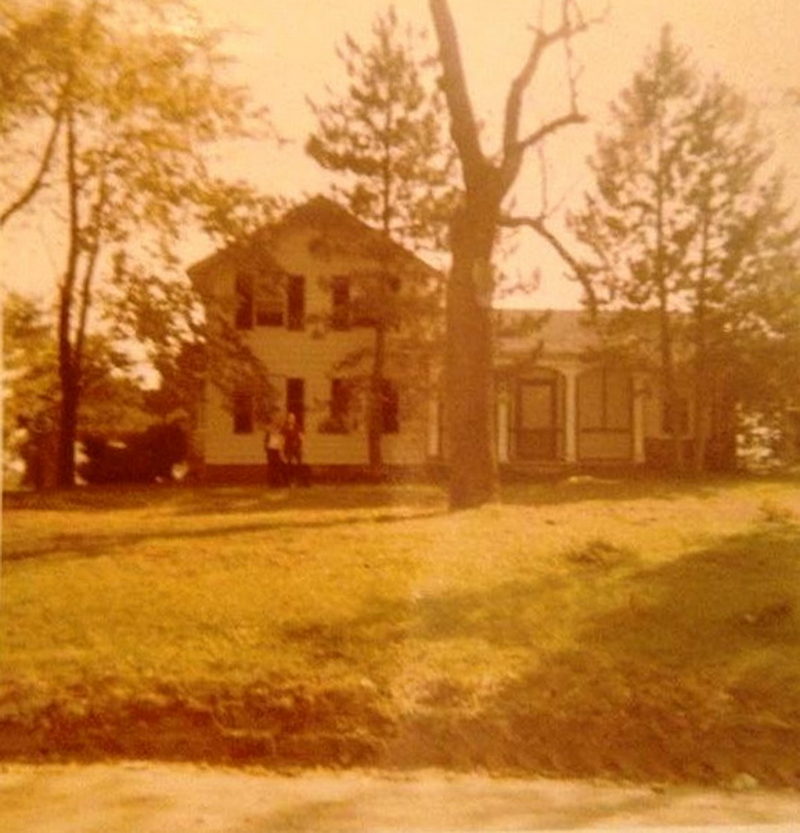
551 127
582 271
38 178
541 42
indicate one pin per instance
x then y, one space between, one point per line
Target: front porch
566 415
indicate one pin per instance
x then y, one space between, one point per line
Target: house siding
310 354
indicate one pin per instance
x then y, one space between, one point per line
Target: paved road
165 798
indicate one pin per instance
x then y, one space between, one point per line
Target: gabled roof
338 229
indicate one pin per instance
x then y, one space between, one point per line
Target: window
296 302
244 302
340 406
340 303
390 407
270 300
295 399
242 413
604 400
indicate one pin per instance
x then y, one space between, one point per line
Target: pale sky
286 51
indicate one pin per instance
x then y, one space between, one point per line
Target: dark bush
143 457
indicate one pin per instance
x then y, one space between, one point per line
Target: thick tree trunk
469 362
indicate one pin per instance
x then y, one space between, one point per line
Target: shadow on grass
554 489
517 490
694 677
190 499
82 545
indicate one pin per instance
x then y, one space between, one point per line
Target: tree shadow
93 545
696 677
191 499
693 676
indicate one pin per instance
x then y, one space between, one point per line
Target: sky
285 53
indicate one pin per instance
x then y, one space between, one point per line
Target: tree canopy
134 92
688 220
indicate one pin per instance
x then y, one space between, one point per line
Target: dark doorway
537 419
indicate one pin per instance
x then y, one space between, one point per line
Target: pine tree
384 140
687 221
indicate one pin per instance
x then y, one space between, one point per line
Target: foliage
30 98
188 340
139 87
112 400
384 138
688 221
142 457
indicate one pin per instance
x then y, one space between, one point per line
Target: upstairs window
270 300
295 302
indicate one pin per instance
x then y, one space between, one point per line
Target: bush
142 457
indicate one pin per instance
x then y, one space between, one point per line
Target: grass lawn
642 629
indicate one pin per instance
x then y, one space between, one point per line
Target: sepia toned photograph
401 416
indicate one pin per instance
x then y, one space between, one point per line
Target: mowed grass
588 626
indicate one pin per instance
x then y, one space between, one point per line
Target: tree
687 222
139 92
112 400
384 140
488 179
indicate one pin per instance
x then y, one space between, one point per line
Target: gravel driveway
167 798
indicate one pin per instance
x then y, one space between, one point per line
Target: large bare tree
488 179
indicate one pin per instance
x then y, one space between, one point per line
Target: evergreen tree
687 221
384 140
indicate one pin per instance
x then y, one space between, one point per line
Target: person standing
273 445
293 450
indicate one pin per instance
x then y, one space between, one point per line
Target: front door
537 419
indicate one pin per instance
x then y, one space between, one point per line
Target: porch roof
531 334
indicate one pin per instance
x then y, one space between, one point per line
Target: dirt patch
538 725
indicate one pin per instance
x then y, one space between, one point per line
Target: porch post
638 419
571 416
502 423
433 428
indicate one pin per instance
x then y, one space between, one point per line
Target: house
556 405
297 293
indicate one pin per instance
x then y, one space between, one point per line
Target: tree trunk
469 361
375 409
68 361
67 431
